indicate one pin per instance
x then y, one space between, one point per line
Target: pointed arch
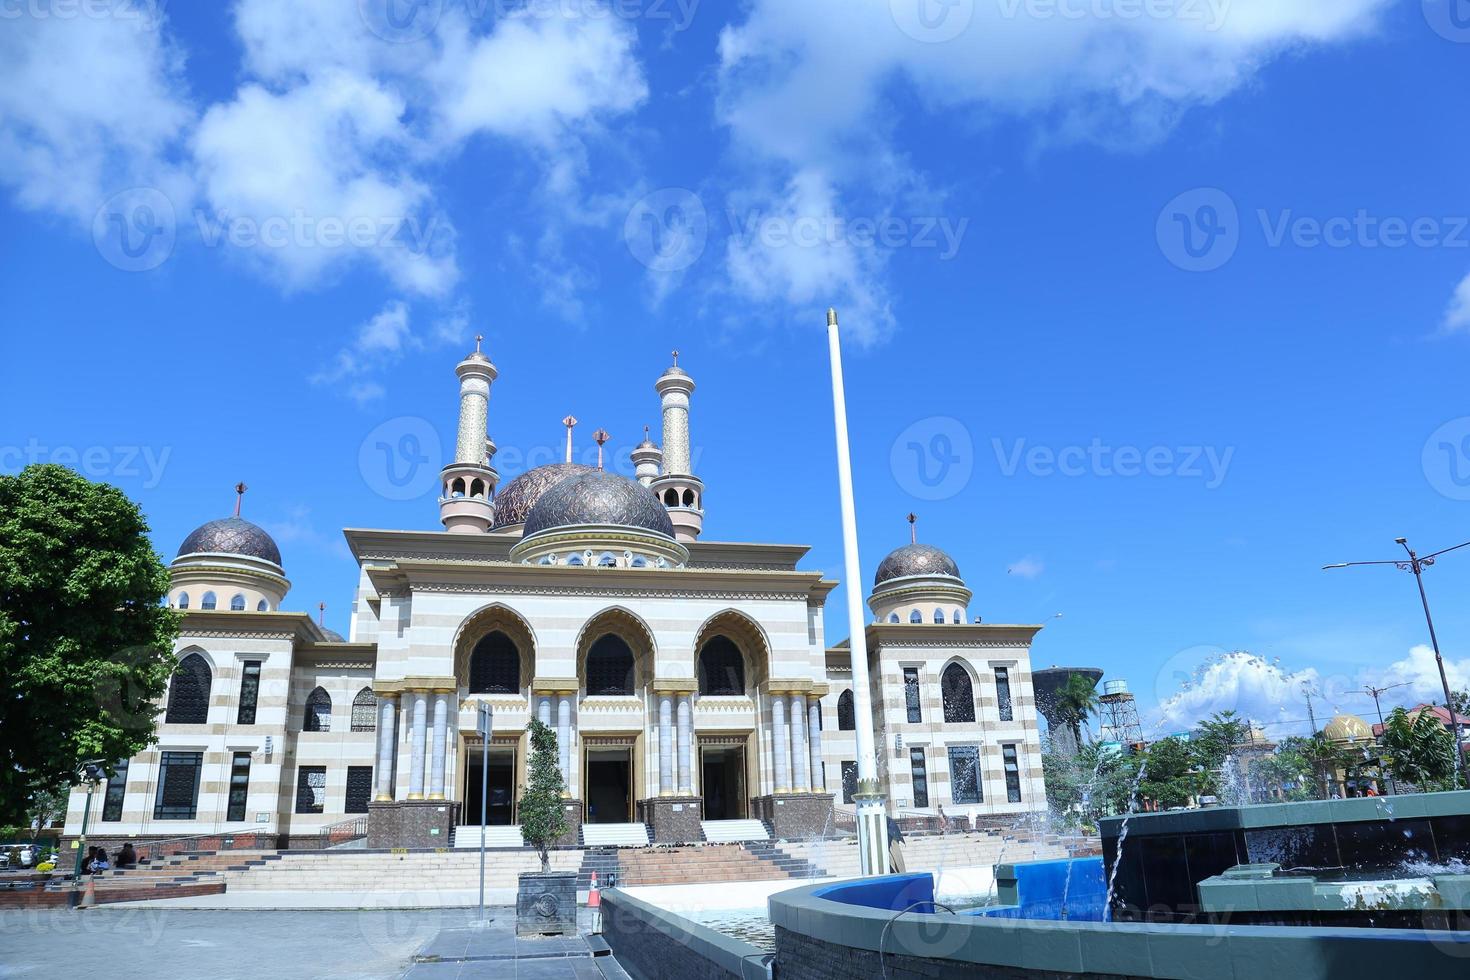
188 692
628 631
318 712
495 665
749 640
846 715
365 711
495 617
957 692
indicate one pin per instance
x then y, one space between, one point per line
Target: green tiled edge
1266 815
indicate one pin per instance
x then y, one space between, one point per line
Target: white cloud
89 106
1457 317
1028 567
1419 671
1241 682
810 88
356 370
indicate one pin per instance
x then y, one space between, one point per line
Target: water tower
1119 713
1047 684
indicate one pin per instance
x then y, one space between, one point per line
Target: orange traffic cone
89 894
594 895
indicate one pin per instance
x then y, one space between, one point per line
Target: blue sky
1150 309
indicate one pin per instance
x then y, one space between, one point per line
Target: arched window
958 694
671 497
237 602
495 666
959 617
606 560
575 560
916 617
610 666
893 617
547 560
939 616
721 667
208 602
183 600
639 561
318 712
688 498
846 721
262 606
188 693
365 711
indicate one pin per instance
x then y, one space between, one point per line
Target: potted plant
546 901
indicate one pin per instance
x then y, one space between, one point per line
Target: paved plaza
251 945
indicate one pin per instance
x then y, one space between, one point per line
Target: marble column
387 714
439 745
686 741
814 737
418 737
564 739
543 710
665 745
800 755
780 743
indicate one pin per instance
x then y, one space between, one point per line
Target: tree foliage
1213 743
1075 702
85 642
543 818
1093 783
1171 777
1420 750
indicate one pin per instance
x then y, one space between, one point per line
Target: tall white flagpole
872 819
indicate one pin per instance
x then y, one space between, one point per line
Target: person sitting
126 856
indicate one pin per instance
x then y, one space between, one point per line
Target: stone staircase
602 861
423 872
792 866
694 864
614 835
839 857
734 831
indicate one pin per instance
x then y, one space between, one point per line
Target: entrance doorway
723 780
500 799
609 786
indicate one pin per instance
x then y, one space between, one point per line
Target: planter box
546 904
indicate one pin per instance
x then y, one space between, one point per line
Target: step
734 831
615 835
508 835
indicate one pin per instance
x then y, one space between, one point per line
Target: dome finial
676 358
913 528
571 423
479 337
321 613
831 316
240 489
600 437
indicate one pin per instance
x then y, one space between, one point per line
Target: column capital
675 685
542 686
788 685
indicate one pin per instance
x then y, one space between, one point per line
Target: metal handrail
341 833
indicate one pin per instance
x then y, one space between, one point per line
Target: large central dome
231 536
514 503
915 559
599 499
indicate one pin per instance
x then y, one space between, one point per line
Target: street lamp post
1374 692
1417 565
91 774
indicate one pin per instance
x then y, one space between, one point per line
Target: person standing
895 848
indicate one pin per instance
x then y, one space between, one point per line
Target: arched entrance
495 657
615 657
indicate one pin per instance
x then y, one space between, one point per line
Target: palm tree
1076 700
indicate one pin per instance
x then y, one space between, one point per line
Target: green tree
543 818
1171 777
1075 703
1287 770
1212 744
85 640
1324 758
1420 750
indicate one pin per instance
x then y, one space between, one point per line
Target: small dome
513 503
599 498
915 559
1348 728
231 536
332 636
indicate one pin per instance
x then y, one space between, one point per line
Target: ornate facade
689 682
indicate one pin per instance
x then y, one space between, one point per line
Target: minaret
679 489
467 503
646 460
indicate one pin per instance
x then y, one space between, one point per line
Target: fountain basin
1261 894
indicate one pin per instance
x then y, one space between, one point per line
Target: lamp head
1400 540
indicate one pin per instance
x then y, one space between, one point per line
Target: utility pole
1417 565
1312 720
1374 692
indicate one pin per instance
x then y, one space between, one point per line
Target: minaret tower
680 490
646 459
466 505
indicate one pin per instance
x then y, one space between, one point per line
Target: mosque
690 683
